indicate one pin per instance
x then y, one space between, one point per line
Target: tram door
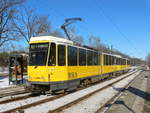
16 69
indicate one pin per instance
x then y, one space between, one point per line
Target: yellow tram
57 63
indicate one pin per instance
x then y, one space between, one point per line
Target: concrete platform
136 99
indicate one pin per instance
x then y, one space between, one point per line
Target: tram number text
72 75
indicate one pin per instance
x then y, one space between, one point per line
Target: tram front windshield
38 54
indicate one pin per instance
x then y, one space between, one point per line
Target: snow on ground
4 79
4 82
133 67
44 108
4 70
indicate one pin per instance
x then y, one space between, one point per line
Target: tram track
14 90
20 108
12 87
65 106
12 99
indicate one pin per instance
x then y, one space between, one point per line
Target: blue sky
124 24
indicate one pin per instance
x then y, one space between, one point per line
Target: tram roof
51 39
64 41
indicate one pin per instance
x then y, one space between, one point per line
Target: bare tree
8 12
95 42
148 58
31 24
43 25
74 36
56 33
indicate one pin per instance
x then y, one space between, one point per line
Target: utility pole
111 49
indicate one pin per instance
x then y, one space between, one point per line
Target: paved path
136 99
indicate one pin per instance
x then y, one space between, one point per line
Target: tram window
117 61
89 57
52 56
104 63
72 56
99 59
113 60
38 54
107 60
104 60
110 63
61 55
95 59
120 61
128 62
82 57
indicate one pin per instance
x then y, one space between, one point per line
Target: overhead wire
99 7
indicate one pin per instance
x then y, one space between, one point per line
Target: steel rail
33 104
12 99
